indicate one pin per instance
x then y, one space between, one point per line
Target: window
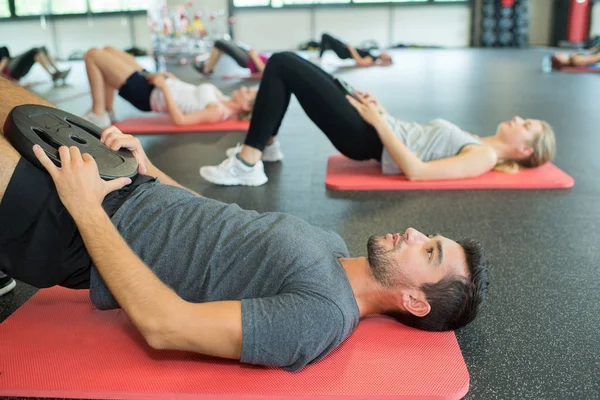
62 7
283 3
68 7
251 3
100 6
32 7
138 5
105 5
4 10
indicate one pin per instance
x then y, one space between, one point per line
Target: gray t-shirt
431 141
297 302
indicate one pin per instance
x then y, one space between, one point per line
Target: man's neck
370 296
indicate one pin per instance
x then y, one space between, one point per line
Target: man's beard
380 263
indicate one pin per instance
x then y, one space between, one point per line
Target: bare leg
581 60
126 58
104 69
11 95
250 154
109 97
49 59
43 61
215 54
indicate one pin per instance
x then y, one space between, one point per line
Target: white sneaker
101 121
6 284
272 152
233 172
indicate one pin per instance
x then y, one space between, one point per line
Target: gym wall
595 23
540 22
63 36
445 25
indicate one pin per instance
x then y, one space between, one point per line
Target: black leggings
329 42
234 51
321 98
21 64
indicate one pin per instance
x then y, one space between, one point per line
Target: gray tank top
431 141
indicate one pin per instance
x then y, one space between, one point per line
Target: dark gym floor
538 336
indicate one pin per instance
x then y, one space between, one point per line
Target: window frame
351 4
14 17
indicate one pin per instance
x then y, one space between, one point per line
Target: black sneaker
6 284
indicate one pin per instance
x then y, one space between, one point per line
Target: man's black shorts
39 241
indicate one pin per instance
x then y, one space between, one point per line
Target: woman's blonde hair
544 150
246 115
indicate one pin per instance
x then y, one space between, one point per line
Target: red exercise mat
576 69
254 76
346 174
163 124
58 345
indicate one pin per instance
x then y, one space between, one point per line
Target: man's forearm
143 297
13 95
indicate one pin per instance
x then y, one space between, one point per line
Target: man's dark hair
455 301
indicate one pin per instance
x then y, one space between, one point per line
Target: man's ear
415 303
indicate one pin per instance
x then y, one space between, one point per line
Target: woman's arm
260 65
212 113
472 161
3 63
363 61
370 98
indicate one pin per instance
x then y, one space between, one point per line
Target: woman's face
244 97
520 133
385 58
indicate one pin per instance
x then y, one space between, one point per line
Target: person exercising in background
243 55
19 66
363 57
199 275
110 70
580 59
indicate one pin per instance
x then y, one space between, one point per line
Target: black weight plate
505 23
51 128
521 30
488 38
522 20
488 10
522 40
505 38
506 12
488 23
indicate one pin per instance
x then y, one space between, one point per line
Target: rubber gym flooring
537 337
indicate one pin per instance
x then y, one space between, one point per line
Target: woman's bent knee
91 53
